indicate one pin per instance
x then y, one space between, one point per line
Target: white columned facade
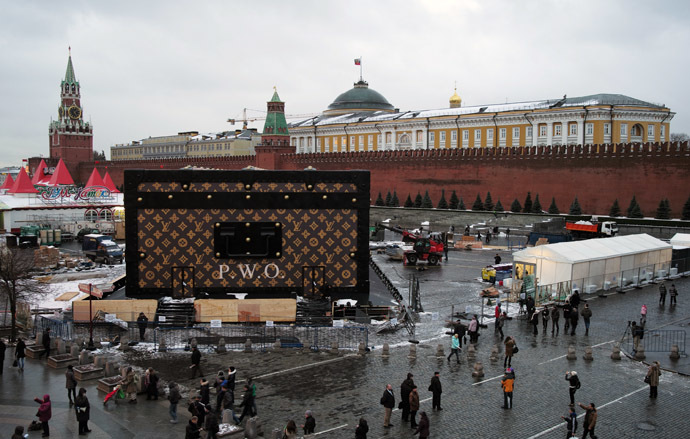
564 132
581 132
535 134
549 133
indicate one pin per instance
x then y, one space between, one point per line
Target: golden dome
455 100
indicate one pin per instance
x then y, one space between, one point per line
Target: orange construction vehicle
424 248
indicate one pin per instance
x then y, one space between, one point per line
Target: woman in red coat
44 413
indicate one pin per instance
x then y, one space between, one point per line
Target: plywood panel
127 310
255 310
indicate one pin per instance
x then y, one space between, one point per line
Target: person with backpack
638 334
586 314
573 384
571 422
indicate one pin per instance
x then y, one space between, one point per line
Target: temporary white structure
681 240
590 265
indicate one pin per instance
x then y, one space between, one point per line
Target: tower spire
69 74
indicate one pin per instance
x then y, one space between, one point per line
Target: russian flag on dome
358 61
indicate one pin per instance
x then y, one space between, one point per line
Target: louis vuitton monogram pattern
184 238
281 187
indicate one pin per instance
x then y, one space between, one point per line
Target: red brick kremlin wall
597 175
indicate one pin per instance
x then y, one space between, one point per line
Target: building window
327 142
529 132
432 137
389 136
650 132
589 129
636 130
378 140
370 140
542 130
490 134
419 136
91 216
361 142
516 133
465 135
503 133
453 136
607 129
662 132
477 135
318 143
557 130
443 136
624 129
573 129
343 143
105 215
335 144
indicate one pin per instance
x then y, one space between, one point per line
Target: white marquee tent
590 265
681 240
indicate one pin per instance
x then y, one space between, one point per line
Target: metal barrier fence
660 340
262 337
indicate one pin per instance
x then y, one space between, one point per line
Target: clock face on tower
74 112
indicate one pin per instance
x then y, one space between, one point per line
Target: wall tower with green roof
275 139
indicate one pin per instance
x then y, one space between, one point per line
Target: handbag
15 363
515 349
647 379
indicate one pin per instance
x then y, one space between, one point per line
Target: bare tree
679 137
16 280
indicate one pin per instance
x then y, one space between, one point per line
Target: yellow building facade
363 120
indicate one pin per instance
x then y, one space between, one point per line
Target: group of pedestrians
673 292
571 316
409 404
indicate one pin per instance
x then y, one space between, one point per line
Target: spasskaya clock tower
71 138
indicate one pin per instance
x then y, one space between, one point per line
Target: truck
102 248
588 229
215 234
424 248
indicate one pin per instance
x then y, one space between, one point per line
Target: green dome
359 98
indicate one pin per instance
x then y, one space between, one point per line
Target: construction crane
245 120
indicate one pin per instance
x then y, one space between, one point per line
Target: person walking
210 423
70 385
509 342
142 323
229 402
575 298
497 314
534 320
501 322
151 384
130 386
573 384
555 316
662 293
566 316
652 378
388 402
309 423
545 318
436 389
405 390
46 344
586 314
571 422
473 329
82 407
574 317
423 426
230 380
247 403
637 333
413 401
174 397
20 354
455 348
252 387
590 420
44 413
362 429
3 348
196 362
674 294
507 384
497 259
196 408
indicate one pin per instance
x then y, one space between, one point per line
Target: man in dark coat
205 392
211 424
436 390
229 402
555 315
574 316
575 299
193 431
534 320
405 389
142 322
46 344
3 347
545 318
83 408
388 403
196 362
20 353
247 403
309 423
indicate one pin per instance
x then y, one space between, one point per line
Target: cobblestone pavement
340 389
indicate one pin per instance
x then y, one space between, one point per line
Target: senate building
361 119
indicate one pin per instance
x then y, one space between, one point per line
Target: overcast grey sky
154 68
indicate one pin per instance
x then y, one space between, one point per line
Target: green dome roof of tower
275 124
359 98
70 77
